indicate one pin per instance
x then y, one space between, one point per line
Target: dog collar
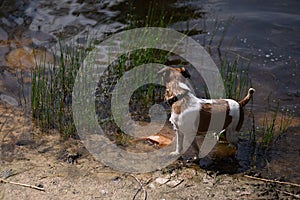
176 98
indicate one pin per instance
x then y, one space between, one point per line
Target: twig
272 181
22 184
288 193
174 186
141 188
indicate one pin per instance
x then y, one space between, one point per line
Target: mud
66 170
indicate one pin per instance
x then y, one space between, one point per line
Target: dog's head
174 80
174 74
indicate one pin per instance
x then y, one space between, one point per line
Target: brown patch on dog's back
219 107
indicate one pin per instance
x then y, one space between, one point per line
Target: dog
183 102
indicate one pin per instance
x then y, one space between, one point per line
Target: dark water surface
265 32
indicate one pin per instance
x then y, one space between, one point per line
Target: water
266 32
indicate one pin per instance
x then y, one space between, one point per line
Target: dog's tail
247 98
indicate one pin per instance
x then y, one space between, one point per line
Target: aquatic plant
236 80
141 100
277 125
51 89
268 130
285 121
234 68
52 83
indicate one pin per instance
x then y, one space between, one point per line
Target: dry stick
272 181
142 187
22 184
288 193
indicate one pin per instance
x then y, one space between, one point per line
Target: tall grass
141 100
286 120
273 128
52 85
234 74
144 97
269 127
236 80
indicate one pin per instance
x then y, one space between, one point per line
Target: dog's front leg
179 143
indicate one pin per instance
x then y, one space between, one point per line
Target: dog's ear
165 72
185 72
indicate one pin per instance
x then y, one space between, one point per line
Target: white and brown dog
183 102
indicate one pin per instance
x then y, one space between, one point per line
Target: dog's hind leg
232 137
217 135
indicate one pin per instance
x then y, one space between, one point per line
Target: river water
265 32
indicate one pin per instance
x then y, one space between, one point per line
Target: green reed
285 121
268 130
234 73
277 125
51 93
236 80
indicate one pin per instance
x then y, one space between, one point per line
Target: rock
21 57
39 38
19 20
3 51
3 34
25 58
40 185
25 142
152 186
8 99
7 173
6 22
7 151
104 192
162 181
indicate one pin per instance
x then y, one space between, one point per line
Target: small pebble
162 181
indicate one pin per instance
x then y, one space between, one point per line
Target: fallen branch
176 183
288 193
272 181
141 188
22 184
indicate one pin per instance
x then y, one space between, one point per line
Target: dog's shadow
223 159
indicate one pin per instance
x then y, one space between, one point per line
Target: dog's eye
168 93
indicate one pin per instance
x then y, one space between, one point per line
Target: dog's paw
175 153
233 146
216 137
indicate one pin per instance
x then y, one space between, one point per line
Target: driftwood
22 184
141 188
272 181
288 193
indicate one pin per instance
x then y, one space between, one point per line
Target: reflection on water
266 32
